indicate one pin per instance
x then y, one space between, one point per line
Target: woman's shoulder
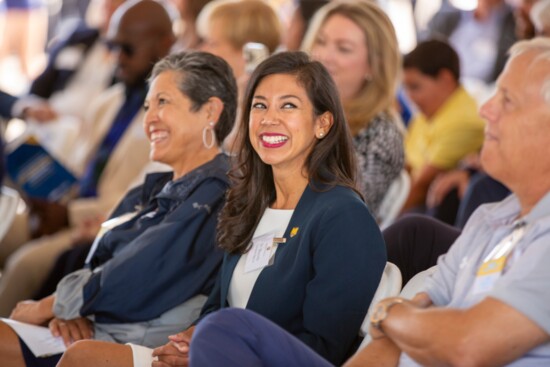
215 169
336 196
342 207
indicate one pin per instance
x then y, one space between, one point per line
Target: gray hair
202 76
541 45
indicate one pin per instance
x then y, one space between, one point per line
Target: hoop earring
210 128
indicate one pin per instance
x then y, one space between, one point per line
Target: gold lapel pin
294 231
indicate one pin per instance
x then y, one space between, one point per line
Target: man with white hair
487 302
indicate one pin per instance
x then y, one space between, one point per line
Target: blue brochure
38 173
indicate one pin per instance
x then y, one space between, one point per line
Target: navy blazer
323 278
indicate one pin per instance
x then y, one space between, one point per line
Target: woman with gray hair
150 274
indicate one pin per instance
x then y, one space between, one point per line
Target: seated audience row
486 304
295 171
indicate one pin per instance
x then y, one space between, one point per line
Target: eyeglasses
126 48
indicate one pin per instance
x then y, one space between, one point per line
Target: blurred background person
481 37
299 23
188 36
227 25
25 34
356 42
447 126
524 25
79 66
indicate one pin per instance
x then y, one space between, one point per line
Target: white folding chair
389 286
416 283
394 199
9 200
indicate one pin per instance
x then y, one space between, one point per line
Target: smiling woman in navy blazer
296 154
302 248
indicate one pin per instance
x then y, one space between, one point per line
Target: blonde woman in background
227 25
356 42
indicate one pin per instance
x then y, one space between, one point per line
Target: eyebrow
336 39
281 97
155 96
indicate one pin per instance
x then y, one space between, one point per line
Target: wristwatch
381 311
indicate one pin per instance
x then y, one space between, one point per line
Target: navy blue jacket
166 254
323 278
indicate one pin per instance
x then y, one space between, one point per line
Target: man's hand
50 217
34 312
444 183
41 112
87 231
72 330
176 351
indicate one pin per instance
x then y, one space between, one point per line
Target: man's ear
446 76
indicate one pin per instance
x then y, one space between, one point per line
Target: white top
273 221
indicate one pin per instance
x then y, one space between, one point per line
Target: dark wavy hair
331 161
202 75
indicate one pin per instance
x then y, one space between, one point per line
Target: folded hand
72 330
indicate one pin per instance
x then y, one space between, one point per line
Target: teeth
274 139
158 135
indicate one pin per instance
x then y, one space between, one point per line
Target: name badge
495 263
488 274
262 251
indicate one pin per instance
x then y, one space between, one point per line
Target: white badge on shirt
69 58
495 263
262 252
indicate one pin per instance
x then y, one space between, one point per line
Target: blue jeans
233 337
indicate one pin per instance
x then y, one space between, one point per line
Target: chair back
389 286
394 199
9 200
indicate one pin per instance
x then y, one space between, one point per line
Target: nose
149 116
270 117
489 110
